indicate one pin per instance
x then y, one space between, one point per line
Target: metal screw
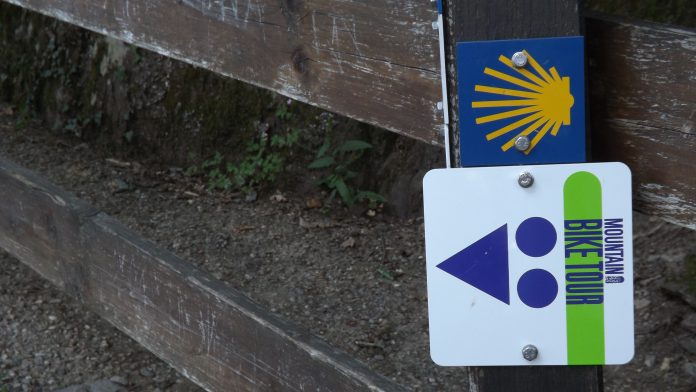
525 179
522 143
519 59
436 25
530 352
439 105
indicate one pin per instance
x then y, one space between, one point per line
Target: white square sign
536 275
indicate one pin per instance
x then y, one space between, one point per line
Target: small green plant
282 112
337 162
386 274
263 161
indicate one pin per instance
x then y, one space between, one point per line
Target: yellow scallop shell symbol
545 100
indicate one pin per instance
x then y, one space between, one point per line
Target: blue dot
537 288
536 237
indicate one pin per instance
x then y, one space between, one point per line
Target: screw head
530 352
519 59
525 179
436 25
439 105
522 143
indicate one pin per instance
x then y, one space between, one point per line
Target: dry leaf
314 203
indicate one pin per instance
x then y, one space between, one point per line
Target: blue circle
537 288
536 237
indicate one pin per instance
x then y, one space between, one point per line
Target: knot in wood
300 61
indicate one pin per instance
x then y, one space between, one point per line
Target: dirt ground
356 280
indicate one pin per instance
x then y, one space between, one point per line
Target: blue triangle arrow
484 265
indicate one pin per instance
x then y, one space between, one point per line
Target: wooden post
479 20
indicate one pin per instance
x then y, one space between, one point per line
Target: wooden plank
211 333
504 19
643 111
375 61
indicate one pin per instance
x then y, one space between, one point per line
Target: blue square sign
521 101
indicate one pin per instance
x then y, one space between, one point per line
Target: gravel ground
356 280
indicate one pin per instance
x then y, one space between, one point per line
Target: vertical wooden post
478 20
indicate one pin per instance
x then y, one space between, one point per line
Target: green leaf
330 181
214 173
385 274
277 141
293 137
370 196
191 171
214 161
354 145
322 162
322 150
344 192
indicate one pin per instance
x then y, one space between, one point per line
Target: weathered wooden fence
375 61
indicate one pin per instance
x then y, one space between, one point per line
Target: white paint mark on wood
57 200
206 324
315 40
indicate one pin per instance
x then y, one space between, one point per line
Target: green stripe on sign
584 268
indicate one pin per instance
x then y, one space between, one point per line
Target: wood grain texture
212 334
511 19
643 111
375 61
536 379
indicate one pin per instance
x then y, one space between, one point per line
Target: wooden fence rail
211 333
376 61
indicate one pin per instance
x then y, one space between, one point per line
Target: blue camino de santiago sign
543 100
